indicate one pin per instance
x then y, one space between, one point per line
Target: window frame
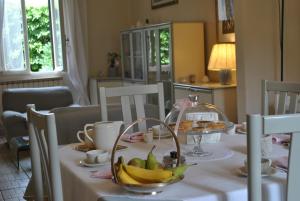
27 73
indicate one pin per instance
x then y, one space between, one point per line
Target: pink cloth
133 137
281 162
103 174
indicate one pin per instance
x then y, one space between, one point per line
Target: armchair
14 103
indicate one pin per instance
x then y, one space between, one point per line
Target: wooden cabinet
163 52
133 56
223 96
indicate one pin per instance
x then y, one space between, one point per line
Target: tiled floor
13 182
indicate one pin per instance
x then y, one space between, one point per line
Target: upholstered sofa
14 103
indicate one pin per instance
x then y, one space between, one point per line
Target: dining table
217 177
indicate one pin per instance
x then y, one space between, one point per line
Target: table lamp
222 59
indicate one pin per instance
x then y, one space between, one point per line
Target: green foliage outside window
164 36
39 39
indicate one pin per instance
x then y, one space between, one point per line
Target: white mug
265 164
81 137
106 133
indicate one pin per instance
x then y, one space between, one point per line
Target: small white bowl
96 156
265 164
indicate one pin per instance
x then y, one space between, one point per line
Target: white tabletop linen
210 180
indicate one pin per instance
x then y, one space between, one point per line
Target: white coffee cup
156 130
81 137
148 137
96 156
266 146
106 133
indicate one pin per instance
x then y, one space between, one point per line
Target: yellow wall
185 10
106 18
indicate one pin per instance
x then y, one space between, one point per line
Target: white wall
292 41
257 46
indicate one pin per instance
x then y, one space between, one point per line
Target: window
31 36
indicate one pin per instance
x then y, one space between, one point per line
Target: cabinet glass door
126 54
152 53
137 50
165 51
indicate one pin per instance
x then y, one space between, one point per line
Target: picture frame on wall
161 3
225 21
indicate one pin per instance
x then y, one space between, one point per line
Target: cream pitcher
105 134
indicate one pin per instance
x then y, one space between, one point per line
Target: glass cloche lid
191 116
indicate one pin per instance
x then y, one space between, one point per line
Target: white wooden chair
258 126
138 92
44 155
286 96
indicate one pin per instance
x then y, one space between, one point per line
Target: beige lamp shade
222 57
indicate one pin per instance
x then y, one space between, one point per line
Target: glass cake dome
189 116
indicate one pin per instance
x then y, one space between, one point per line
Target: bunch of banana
139 171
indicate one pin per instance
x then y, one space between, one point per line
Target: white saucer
242 172
240 130
86 164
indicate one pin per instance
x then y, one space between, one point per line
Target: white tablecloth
210 180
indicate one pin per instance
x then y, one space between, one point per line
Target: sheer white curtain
1 28
12 50
77 75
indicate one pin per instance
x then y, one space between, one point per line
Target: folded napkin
101 174
281 162
133 137
83 147
281 139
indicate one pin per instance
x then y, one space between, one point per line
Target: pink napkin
281 162
133 137
280 139
101 174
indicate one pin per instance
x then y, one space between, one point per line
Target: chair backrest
16 99
44 154
257 127
286 96
138 92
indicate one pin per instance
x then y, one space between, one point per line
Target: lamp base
214 76
225 76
